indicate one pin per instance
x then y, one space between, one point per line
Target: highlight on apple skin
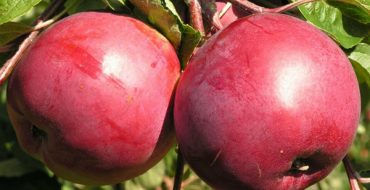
92 98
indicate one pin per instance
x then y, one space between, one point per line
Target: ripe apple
270 102
92 98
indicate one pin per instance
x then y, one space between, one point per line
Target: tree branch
179 171
41 22
247 5
196 18
353 177
288 6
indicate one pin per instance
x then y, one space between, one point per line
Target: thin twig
41 22
247 5
188 181
288 6
362 180
179 171
225 9
196 18
354 173
10 64
44 24
168 182
39 26
50 10
217 25
351 174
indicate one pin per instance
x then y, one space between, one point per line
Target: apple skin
92 98
262 95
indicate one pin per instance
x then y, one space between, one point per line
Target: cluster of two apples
260 105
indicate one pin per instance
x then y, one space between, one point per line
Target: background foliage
346 21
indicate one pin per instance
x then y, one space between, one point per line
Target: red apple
91 98
270 102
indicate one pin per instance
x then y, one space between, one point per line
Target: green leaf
162 18
31 15
14 168
356 9
170 161
116 5
11 9
360 58
191 39
171 7
163 15
11 30
153 177
345 30
133 186
75 6
26 159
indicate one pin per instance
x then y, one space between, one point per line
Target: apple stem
216 23
41 22
179 171
225 9
212 15
196 18
247 5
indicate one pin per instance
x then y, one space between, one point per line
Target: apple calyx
37 133
299 165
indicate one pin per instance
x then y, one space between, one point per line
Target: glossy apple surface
92 98
270 102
